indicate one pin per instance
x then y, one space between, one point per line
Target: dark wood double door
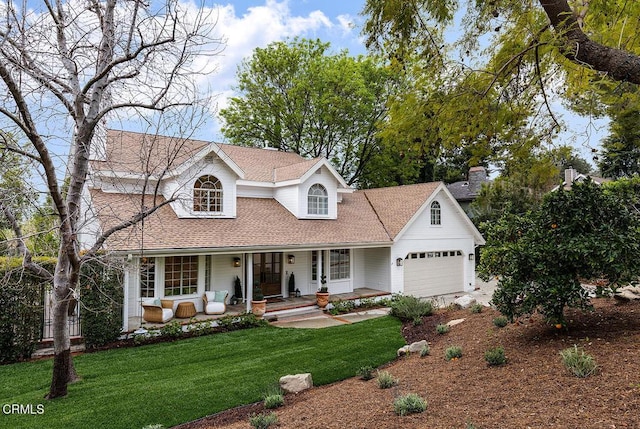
267 273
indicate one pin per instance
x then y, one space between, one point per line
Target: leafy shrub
476 308
442 329
453 352
495 356
425 350
240 321
342 306
410 403
274 398
578 362
263 420
409 308
500 321
172 329
386 380
22 314
101 296
156 426
365 372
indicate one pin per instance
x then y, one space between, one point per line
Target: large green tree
298 96
542 255
621 149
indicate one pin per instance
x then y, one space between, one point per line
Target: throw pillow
221 295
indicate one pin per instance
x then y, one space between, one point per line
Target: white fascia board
323 162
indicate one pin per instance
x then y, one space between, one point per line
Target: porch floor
274 306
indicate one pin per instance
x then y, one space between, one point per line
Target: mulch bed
533 390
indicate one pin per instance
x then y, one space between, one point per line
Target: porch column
249 279
319 269
125 307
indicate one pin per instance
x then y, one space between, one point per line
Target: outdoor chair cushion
215 302
154 313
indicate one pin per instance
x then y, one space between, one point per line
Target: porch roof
260 222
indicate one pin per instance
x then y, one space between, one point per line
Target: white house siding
374 268
223 274
301 268
182 186
326 179
288 196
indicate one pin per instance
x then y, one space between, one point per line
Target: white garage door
433 273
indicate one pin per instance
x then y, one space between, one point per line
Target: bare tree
65 70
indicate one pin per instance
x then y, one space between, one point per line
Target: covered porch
276 307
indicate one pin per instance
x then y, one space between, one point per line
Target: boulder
296 383
465 301
455 322
404 350
628 293
411 348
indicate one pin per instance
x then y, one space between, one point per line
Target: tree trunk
617 63
63 369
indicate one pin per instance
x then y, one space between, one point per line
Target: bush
500 321
274 398
425 350
578 362
22 314
442 329
409 404
453 352
386 380
410 309
476 308
342 306
240 321
101 296
172 329
365 372
263 421
495 356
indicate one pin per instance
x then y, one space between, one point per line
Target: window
340 264
314 266
207 272
207 194
435 213
180 275
318 200
147 277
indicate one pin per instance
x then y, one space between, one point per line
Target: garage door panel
426 276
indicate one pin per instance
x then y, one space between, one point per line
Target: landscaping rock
417 346
296 383
628 293
404 350
455 322
465 301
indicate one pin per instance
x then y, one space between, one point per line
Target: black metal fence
74 318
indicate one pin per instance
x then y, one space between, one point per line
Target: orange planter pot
322 299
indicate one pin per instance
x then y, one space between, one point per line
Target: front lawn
172 383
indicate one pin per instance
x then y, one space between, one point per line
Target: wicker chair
215 302
157 313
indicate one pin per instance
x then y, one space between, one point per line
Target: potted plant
258 303
322 295
237 291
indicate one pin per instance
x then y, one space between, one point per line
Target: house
466 191
572 176
262 215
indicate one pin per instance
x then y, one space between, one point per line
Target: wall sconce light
236 262
399 262
291 259
471 256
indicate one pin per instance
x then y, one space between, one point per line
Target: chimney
477 176
569 176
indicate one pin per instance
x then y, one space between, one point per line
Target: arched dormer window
318 200
207 194
436 218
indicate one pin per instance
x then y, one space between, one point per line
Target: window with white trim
180 275
317 200
207 194
147 277
436 213
340 262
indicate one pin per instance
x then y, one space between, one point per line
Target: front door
267 273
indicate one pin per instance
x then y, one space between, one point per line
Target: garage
433 273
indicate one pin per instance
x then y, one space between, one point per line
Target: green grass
173 383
